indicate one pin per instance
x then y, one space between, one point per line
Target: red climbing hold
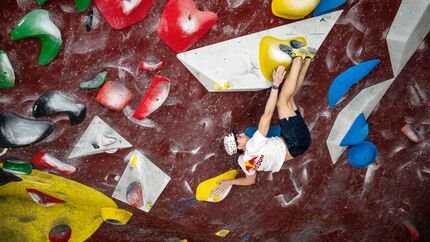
154 98
114 96
412 231
413 134
44 159
182 24
43 199
147 66
122 13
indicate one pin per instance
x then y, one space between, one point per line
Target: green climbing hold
37 24
80 5
96 82
7 75
17 166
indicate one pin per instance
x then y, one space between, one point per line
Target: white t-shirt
263 154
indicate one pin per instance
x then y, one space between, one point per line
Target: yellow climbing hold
293 9
115 216
133 161
204 191
149 205
227 85
217 86
222 233
271 56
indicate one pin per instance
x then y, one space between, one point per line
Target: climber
260 153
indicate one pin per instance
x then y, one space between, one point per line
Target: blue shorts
296 134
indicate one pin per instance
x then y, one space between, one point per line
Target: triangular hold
409 28
365 102
98 138
233 65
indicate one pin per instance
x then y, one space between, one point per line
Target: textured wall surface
310 199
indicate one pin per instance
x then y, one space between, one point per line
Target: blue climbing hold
273 131
363 154
326 6
357 133
346 79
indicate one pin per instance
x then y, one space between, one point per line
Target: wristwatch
275 87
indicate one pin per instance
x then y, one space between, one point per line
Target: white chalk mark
207 156
128 112
188 187
369 175
405 165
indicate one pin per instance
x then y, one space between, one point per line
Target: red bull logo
250 164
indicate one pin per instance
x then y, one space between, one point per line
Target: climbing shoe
292 51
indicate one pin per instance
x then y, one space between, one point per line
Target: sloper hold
357 133
37 24
56 102
363 154
7 75
348 78
182 24
236 61
365 102
80 5
205 191
157 93
409 28
17 131
95 82
141 183
293 9
326 6
123 13
271 56
91 141
114 96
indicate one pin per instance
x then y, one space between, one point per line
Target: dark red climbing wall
308 200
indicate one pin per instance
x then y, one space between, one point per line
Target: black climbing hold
285 48
89 21
6 177
55 102
17 131
95 146
296 44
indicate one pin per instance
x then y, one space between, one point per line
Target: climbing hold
217 86
154 98
114 96
271 56
222 233
94 83
346 79
205 190
17 166
60 233
56 102
148 66
362 155
115 216
293 9
182 24
226 85
123 13
7 75
17 131
98 138
89 20
6 177
43 199
133 161
413 134
80 5
413 232
326 6
37 24
357 133
273 131
140 185
46 160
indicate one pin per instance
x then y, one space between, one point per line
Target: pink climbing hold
413 134
123 13
145 66
154 98
114 96
43 199
182 24
46 160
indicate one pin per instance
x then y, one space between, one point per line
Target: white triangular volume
365 102
141 183
236 62
409 28
98 138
